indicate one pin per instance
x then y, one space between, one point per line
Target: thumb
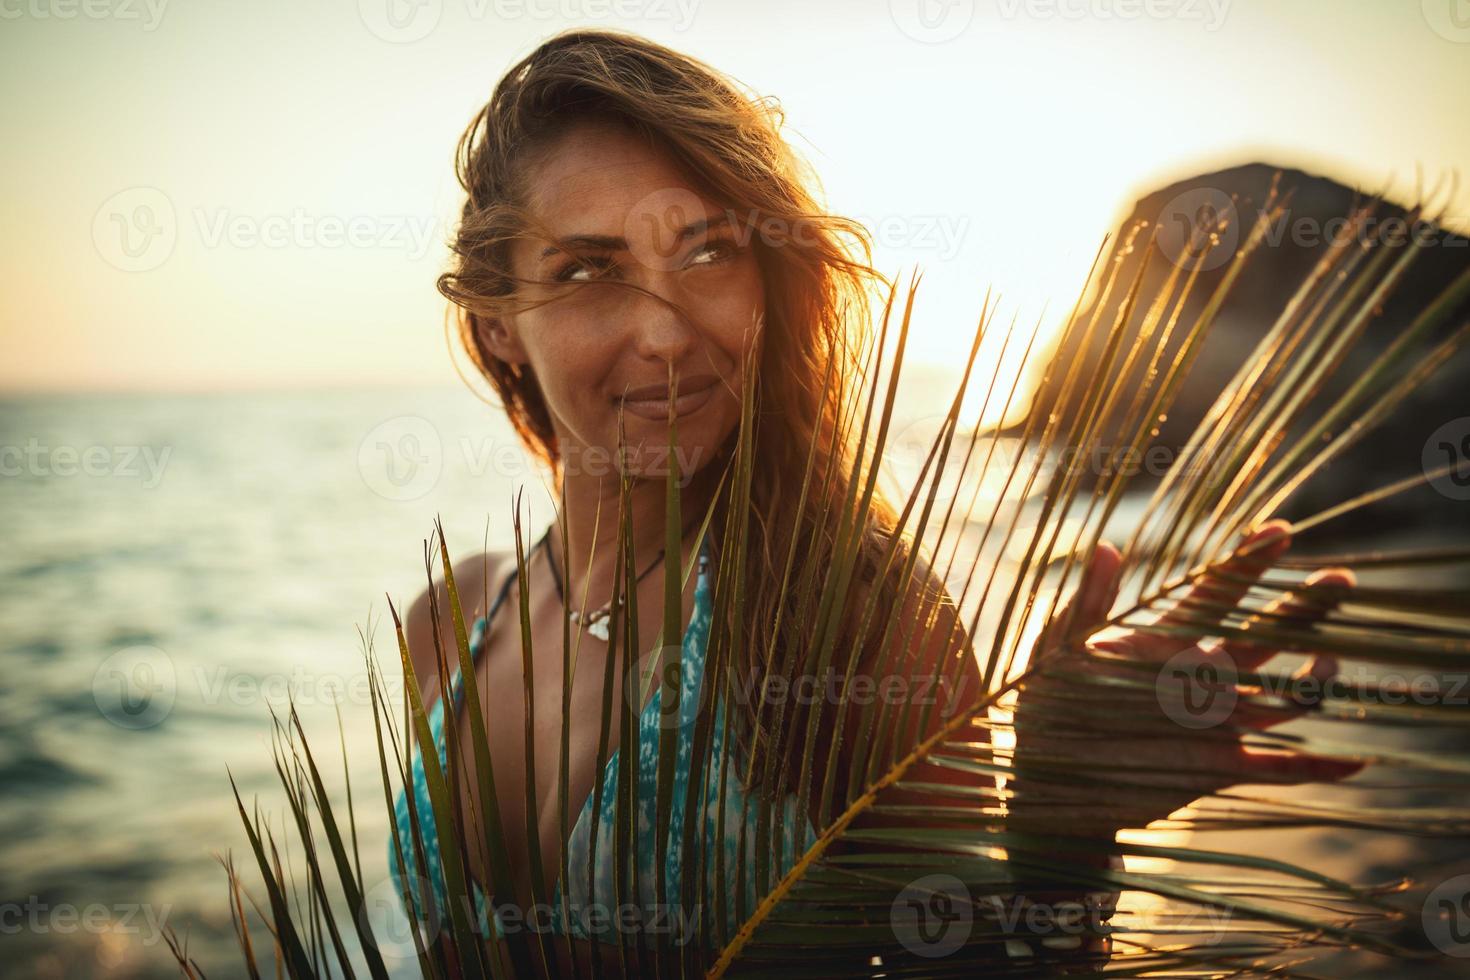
1099 588
1088 606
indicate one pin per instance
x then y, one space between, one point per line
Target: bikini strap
482 625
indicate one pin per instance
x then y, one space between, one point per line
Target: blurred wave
173 567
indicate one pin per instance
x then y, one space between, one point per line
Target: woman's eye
594 267
714 252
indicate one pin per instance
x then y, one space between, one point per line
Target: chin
699 441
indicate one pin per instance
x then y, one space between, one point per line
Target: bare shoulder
470 577
922 589
925 612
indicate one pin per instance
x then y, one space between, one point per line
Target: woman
605 244
636 234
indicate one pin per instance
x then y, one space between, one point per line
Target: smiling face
619 213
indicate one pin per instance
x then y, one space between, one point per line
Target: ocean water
173 567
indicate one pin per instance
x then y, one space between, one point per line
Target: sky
211 196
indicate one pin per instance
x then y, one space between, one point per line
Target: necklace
598 621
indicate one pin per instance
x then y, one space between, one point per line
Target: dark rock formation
1398 447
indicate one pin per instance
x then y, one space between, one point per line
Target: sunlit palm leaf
1165 567
1012 827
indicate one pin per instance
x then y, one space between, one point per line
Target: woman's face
619 212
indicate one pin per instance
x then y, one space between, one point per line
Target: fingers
1213 596
1294 769
1308 687
1321 593
1312 679
1099 587
1309 683
1089 604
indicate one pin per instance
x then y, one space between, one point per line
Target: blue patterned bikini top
589 909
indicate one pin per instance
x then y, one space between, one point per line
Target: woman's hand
1150 721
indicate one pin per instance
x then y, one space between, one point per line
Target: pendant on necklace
596 623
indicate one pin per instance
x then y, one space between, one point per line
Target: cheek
571 336
570 362
733 313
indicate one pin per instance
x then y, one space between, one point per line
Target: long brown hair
815 282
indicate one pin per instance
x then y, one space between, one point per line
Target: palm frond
980 834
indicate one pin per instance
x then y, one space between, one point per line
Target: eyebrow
611 243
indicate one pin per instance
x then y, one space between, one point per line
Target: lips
652 401
660 392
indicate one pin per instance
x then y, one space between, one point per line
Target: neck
590 504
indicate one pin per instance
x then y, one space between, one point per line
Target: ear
500 338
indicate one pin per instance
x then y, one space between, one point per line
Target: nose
661 327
